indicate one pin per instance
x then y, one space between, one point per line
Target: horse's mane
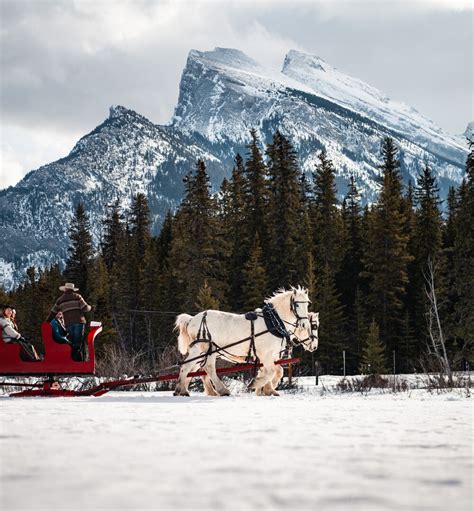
280 294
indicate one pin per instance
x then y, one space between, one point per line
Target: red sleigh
57 357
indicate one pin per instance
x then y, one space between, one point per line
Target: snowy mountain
223 94
125 155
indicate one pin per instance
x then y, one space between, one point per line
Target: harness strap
218 349
252 348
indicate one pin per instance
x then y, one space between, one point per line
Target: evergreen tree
113 231
196 249
327 303
373 357
100 297
79 261
326 220
139 240
205 298
464 261
237 232
386 258
255 278
256 194
348 279
121 292
349 276
284 219
426 247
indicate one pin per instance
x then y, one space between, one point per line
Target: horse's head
308 338
299 302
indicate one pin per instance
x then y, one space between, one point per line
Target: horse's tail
184 339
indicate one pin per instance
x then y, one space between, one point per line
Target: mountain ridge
223 94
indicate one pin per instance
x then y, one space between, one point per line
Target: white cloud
11 170
23 150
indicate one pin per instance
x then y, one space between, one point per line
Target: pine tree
285 215
349 277
236 232
256 194
255 278
196 249
121 292
386 257
113 231
139 240
464 261
100 298
349 280
205 299
373 357
326 220
426 247
79 261
327 303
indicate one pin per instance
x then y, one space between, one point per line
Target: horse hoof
176 393
226 393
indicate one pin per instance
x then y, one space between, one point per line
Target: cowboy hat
69 286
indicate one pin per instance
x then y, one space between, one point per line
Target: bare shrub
116 362
372 381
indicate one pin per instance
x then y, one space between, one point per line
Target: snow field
150 450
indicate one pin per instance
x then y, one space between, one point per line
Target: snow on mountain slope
328 82
125 155
224 93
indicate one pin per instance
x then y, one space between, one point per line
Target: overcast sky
64 62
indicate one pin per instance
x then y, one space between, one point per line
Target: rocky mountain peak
298 59
224 57
469 131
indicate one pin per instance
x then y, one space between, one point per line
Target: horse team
212 334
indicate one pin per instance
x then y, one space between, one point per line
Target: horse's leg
210 369
208 386
264 376
270 388
183 381
277 377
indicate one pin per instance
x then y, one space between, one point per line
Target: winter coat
9 334
73 306
59 332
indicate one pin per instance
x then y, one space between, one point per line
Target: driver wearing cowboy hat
73 307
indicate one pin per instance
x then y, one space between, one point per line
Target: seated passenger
60 334
10 334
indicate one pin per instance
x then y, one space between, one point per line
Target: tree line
270 226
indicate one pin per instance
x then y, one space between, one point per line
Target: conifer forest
268 227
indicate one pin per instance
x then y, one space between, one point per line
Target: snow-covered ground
307 450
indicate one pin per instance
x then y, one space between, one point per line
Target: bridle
307 341
294 309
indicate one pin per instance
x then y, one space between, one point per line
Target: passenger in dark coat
73 307
60 334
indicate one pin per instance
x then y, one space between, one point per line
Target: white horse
301 337
213 330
